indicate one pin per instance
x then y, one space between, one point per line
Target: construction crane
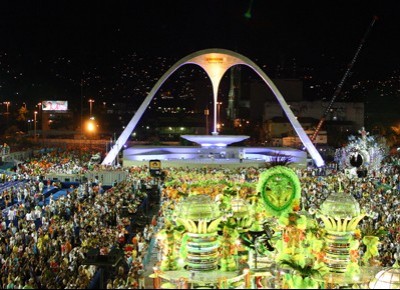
340 85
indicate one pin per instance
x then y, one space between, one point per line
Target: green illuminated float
280 189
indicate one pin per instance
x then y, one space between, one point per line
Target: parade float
199 239
362 155
235 234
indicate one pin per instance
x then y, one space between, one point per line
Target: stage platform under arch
197 156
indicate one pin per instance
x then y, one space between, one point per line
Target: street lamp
7 104
91 101
91 128
34 124
40 106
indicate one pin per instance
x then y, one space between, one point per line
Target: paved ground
150 264
151 258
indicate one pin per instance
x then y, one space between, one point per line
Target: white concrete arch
215 62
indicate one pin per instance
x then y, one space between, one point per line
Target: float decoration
225 227
228 249
201 217
365 152
280 189
169 236
299 246
300 250
341 214
371 243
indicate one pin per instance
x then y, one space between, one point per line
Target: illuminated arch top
215 62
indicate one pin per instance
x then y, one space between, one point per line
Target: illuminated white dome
387 279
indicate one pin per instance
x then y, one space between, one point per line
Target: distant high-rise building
234 92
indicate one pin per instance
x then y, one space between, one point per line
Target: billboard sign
55 105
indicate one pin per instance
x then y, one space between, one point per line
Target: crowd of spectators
44 245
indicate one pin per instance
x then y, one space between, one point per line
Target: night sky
88 34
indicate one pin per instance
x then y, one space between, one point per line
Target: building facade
343 118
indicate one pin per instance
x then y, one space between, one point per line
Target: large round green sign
280 189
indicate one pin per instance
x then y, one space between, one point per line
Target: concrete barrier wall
105 177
